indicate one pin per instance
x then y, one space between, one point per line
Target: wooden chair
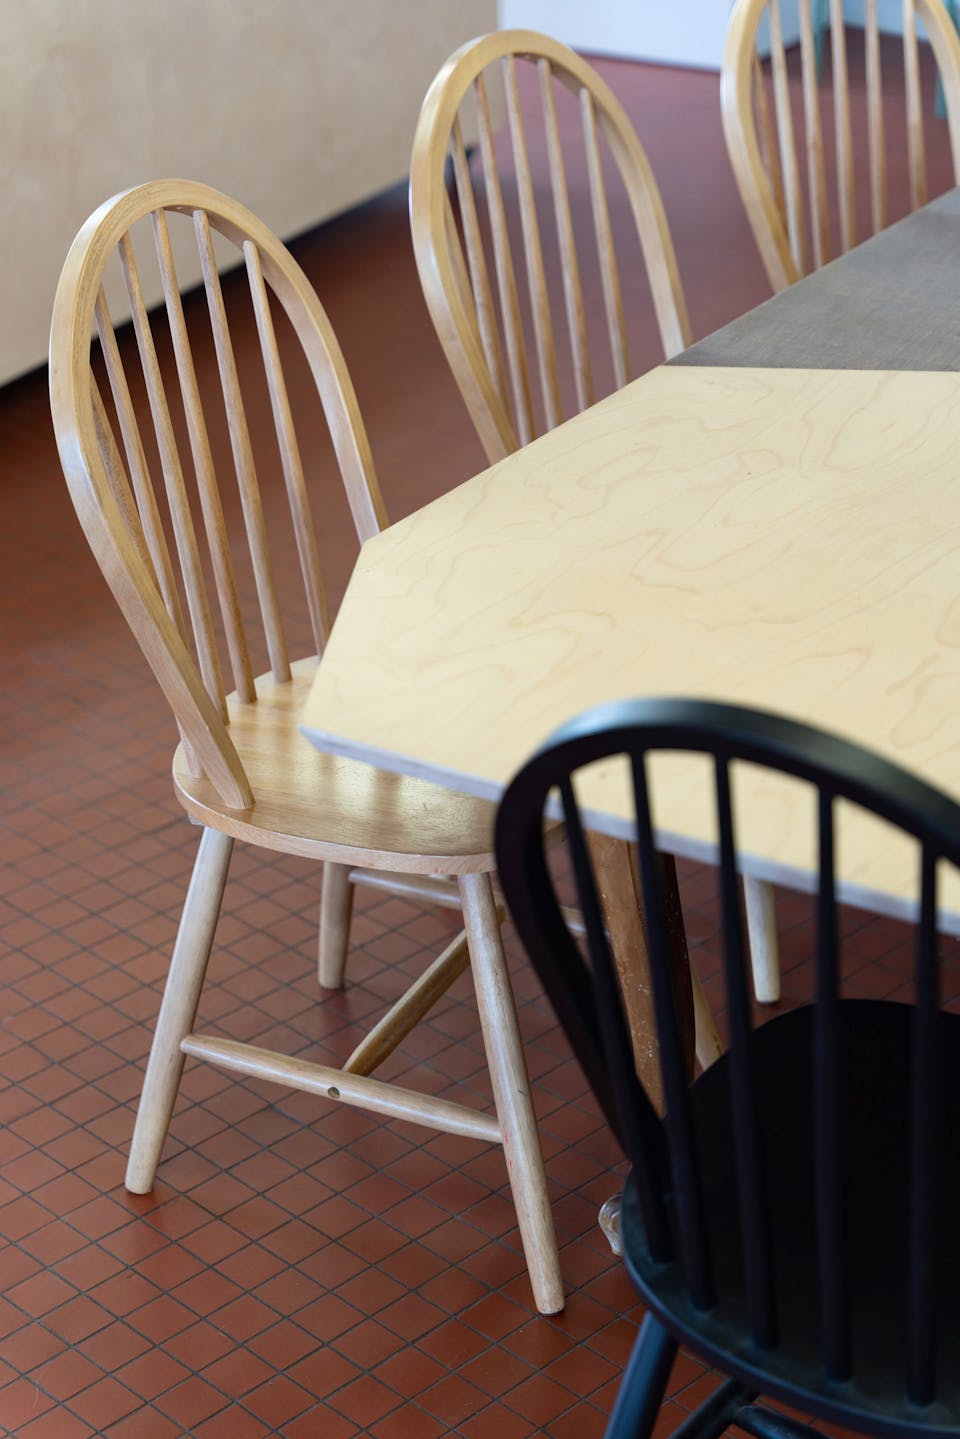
790 212
792 1218
481 324
242 770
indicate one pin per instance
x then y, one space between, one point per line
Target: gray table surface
892 303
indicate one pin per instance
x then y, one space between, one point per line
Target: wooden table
743 524
783 538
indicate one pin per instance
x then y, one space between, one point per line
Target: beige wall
299 108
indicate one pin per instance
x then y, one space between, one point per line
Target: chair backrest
771 95
116 438
486 326
585 993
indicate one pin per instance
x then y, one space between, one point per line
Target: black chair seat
876 1048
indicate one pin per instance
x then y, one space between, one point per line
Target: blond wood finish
875 137
788 154
816 174
326 808
371 1094
443 892
243 770
915 148
843 132
738 534
762 928
511 1089
467 326
408 1011
466 323
336 909
179 1008
779 226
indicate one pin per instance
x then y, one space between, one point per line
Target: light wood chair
481 323
242 770
790 211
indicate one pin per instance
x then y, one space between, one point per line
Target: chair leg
336 908
644 1384
762 933
178 1009
511 1091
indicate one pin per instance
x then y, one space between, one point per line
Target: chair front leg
644 1383
178 1009
511 1091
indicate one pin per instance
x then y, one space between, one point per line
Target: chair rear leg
644 1384
511 1091
336 909
178 1009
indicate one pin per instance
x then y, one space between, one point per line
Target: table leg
619 887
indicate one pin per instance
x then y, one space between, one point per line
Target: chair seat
330 808
876 1047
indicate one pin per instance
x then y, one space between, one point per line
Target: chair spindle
769 149
911 70
291 462
479 277
926 1140
609 273
178 503
211 505
243 456
751 1184
875 139
637 1122
816 174
788 155
533 251
503 264
828 1106
690 1214
843 134
572 288
137 465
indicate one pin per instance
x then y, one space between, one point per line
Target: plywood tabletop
783 538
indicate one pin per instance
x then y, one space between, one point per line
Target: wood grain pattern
738 534
774 209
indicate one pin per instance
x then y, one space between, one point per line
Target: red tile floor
299 1271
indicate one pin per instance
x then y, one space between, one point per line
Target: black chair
793 1219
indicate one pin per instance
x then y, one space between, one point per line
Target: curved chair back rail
111 458
791 1216
787 203
496 323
